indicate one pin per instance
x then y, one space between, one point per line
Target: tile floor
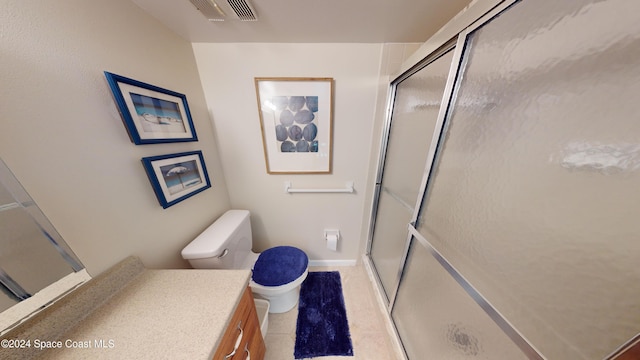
369 335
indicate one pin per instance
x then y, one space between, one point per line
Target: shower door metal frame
457 68
437 142
384 143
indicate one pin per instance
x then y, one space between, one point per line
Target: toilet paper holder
332 237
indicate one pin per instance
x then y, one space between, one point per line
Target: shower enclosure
33 255
505 215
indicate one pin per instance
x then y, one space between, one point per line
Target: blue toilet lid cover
279 265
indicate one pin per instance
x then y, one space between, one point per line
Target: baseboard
332 262
381 300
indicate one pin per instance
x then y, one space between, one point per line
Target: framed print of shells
296 116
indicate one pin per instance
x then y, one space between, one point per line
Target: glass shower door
415 110
33 255
532 201
445 323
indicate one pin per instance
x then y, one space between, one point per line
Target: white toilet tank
225 244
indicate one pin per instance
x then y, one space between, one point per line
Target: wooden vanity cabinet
245 321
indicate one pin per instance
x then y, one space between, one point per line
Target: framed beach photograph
151 114
296 119
175 177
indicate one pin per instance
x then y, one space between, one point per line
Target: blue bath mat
322 328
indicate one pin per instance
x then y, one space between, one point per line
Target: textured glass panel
32 253
437 319
26 254
415 112
535 197
389 240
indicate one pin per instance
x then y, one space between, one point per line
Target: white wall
465 18
63 137
227 72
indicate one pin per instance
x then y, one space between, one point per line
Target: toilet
277 272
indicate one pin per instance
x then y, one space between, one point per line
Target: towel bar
348 189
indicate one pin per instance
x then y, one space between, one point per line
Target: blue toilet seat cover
279 265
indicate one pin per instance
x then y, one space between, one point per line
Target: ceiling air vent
221 10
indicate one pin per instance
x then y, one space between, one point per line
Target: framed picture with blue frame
176 177
150 113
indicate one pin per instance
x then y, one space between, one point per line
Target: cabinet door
243 334
252 345
255 346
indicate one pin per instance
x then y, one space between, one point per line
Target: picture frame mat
126 90
158 164
291 162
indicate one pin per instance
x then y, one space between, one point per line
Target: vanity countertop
161 314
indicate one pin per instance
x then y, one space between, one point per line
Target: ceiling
311 21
